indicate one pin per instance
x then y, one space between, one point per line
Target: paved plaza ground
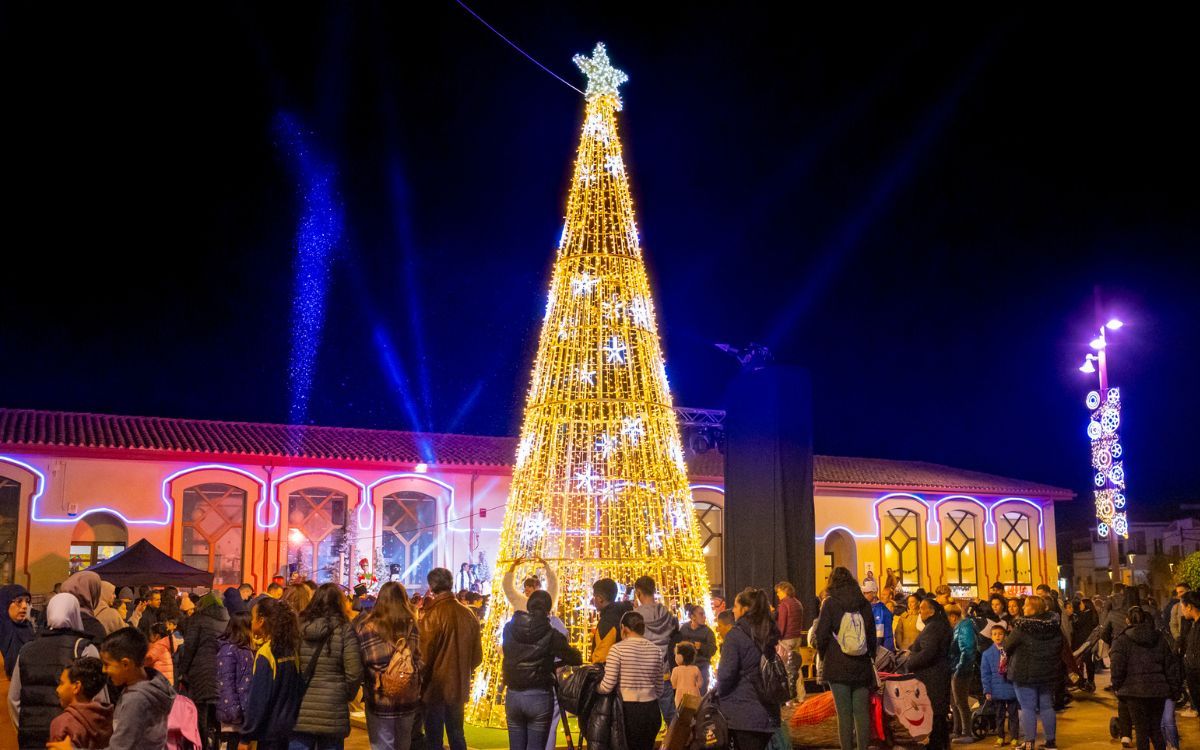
1083 726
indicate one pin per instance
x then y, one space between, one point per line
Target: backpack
400 680
710 730
772 687
851 635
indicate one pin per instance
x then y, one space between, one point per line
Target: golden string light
599 488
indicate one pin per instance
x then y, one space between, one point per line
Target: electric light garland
1110 470
600 488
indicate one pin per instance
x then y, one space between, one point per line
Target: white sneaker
1126 742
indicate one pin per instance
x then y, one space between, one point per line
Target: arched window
317 536
958 539
901 543
409 536
10 512
213 515
710 521
1016 551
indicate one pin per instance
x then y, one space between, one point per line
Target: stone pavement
1083 726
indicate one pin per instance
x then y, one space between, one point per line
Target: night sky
918 213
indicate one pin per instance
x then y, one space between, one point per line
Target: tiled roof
28 430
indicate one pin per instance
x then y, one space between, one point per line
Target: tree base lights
599 487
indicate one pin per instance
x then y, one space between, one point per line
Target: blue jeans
528 713
306 741
1169 728
444 719
1036 700
666 702
390 731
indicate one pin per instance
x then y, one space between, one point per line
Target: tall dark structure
769 516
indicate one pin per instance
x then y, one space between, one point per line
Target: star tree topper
603 78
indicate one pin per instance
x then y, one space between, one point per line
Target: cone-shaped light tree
599 488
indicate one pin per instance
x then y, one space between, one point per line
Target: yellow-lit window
1016 550
901 545
958 541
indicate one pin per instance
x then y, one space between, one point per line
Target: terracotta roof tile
27 429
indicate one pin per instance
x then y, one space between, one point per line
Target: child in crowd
160 656
685 677
724 624
235 667
273 704
86 722
140 716
696 632
1001 692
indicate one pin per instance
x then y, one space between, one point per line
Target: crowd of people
1015 656
101 667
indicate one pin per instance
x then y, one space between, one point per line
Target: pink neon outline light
169 502
1041 516
935 519
274 496
406 475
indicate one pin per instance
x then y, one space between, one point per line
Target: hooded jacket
841 667
1034 649
1143 665
738 673
85 585
234 604
995 684
928 658
197 658
662 627
235 667
336 679
108 617
140 717
530 647
1115 620
608 630
89 726
963 650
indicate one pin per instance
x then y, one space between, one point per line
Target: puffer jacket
606 723
1143 665
737 675
196 660
235 670
335 681
928 659
1034 650
963 650
530 646
839 666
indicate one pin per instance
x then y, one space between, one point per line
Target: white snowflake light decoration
586 479
614 351
587 375
535 527
584 284
606 444
632 429
614 165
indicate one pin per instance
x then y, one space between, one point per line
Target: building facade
252 501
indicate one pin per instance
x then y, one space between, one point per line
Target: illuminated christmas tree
599 487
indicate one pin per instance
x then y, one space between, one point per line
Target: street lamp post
1106 451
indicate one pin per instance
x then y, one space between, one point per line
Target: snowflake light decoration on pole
1106 462
601 490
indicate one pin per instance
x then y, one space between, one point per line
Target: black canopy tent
143 564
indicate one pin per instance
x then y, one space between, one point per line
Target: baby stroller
983 719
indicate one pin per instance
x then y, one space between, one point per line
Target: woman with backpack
929 662
752 720
846 640
331 663
531 646
391 668
1145 673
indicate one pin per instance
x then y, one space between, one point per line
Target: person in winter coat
327 638
233 601
751 721
160 655
1083 622
380 631
530 647
276 685
15 631
696 632
85 585
1145 674
993 675
1034 650
882 614
962 670
608 627
1117 618
32 695
451 649
235 665
848 655
85 721
928 660
197 660
789 619
905 629
662 629
140 714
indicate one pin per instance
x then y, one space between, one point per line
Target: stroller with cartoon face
907 712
